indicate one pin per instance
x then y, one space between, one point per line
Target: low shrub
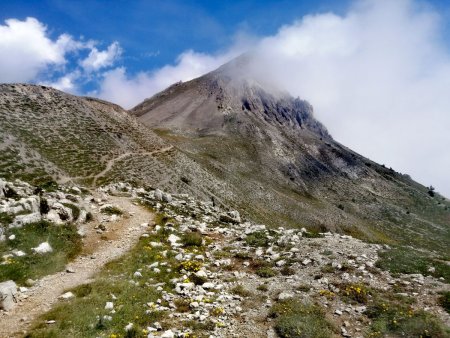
192 239
410 261
257 239
266 272
355 293
393 315
295 319
75 210
444 300
240 291
112 210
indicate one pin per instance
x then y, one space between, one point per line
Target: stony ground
227 274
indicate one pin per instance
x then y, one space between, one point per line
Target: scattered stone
43 248
67 295
8 291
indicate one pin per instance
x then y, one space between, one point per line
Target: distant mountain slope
46 134
284 167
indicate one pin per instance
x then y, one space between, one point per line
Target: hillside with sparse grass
285 168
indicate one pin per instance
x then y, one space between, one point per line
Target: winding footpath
45 293
110 163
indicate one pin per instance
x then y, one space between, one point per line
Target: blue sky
376 71
154 33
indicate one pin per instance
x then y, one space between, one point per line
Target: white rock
18 253
12 237
201 274
129 327
43 248
306 261
208 285
53 217
22 220
109 306
67 295
280 263
173 239
137 274
168 334
285 295
8 291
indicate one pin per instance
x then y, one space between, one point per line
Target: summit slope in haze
283 166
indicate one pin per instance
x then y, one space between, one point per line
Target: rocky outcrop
27 204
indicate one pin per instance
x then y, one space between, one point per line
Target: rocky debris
28 204
229 280
231 217
8 291
292 262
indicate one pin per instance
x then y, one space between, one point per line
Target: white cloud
29 54
25 50
66 83
378 77
129 91
101 59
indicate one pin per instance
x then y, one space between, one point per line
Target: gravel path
126 231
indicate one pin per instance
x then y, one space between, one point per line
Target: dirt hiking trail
121 236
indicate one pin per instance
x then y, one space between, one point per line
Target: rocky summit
220 207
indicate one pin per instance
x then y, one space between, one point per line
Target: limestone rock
8 291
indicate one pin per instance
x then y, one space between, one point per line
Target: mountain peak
225 98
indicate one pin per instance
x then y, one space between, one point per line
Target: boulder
2 188
158 195
43 248
64 213
53 217
166 198
285 295
231 217
22 220
8 291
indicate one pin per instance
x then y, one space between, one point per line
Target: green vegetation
5 219
75 210
393 315
192 239
83 315
64 240
257 239
263 287
355 293
444 300
304 288
287 271
266 272
111 210
295 319
409 261
241 291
